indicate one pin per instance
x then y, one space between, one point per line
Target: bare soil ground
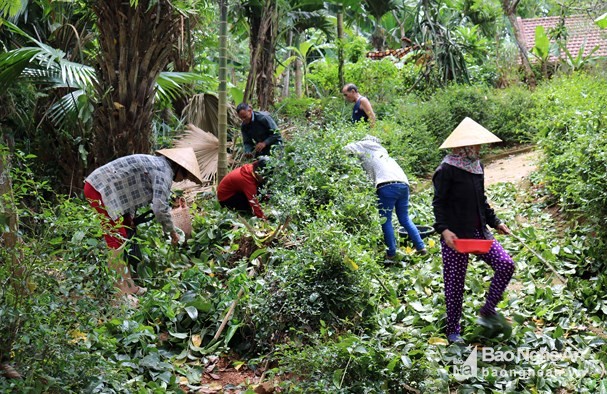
511 167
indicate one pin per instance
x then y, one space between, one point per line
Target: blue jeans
392 196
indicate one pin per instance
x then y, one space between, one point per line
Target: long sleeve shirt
241 180
376 161
135 181
460 203
262 128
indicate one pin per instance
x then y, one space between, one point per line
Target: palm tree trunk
222 162
286 79
135 44
298 78
263 31
265 78
8 210
340 48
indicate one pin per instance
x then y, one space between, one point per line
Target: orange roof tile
399 53
581 31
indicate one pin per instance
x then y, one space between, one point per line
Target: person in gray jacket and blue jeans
392 191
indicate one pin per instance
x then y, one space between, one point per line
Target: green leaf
257 253
192 312
201 304
601 21
542 43
392 363
179 335
418 306
337 375
406 361
360 349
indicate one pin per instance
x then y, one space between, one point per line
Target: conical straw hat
468 133
185 157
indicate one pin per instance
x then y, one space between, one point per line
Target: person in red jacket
238 189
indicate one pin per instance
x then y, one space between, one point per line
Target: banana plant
601 21
302 52
542 49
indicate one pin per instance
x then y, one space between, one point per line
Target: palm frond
206 147
12 9
173 85
68 105
42 62
13 63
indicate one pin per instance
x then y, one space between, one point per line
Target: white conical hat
468 133
185 157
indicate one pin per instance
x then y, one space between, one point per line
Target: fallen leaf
214 376
238 364
196 340
77 336
264 388
211 388
438 341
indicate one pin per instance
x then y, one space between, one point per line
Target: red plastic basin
473 245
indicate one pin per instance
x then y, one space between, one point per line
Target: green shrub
310 284
510 114
570 117
298 109
355 48
412 146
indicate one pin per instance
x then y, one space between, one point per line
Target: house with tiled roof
397 53
581 32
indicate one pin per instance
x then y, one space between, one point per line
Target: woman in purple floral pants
461 210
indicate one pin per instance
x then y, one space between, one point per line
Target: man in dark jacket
259 131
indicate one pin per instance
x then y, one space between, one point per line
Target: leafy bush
570 118
355 48
412 146
297 109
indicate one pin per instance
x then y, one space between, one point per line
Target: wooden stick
228 315
559 276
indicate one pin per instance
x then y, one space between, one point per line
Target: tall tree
509 7
299 19
135 43
340 49
222 161
263 29
379 8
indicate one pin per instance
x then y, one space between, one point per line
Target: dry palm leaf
206 147
202 111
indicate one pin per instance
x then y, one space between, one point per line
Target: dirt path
511 168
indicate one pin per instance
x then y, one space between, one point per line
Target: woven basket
182 218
